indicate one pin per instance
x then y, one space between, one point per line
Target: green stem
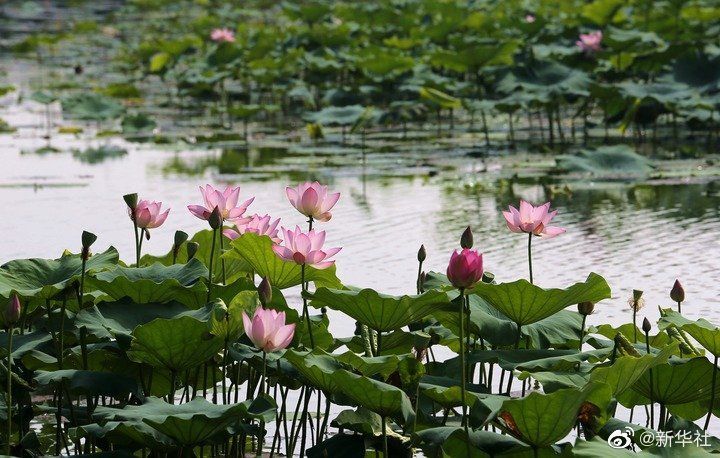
463 368
137 243
9 389
171 394
712 395
306 313
385 443
582 332
139 249
530 255
379 343
263 387
652 410
679 307
222 260
210 267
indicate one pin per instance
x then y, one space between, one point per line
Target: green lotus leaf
345 445
599 447
381 398
545 78
603 12
26 343
445 391
396 343
451 442
175 344
154 284
374 365
137 123
605 161
439 98
706 333
256 251
91 106
360 421
540 420
380 312
45 278
626 370
131 435
525 303
317 367
677 382
337 116
192 423
90 383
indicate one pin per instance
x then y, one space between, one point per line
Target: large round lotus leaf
137 123
360 421
344 445
380 312
605 161
336 116
451 442
396 343
525 303
235 267
626 370
445 391
45 278
131 435
90 383
117 320
381 398
545 77
541 420
677 382
374 365
191 423
26 343
706 333
257 252
91 107
175 344
154 284
317 367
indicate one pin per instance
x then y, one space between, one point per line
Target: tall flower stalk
12 315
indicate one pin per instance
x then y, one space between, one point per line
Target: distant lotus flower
529 18
465 268
226 201
532 220
260 225
267 329
305 248
590 42
222 35
148 216
312 200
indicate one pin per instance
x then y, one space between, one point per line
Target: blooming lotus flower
590 42
260 225
529 18
226 201
305 248
267 329
222 35
147 214
532 220
312 200
465 268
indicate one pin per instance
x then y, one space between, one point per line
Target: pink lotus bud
267 329
465 268
264 290
677 293
312 200
13 310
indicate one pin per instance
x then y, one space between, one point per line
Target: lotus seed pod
466 239
637 295
131 200
677 293
180 238
586 308
192 248
88 238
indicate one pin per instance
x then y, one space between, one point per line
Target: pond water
636 235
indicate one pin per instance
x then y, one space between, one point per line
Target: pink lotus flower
590 42
529 18
312 200
267 329
222 35
226 201
147 214
465 268
532 220
305 248
260 225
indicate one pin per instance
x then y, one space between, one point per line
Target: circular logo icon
621 438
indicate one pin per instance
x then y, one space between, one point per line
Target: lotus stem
210 267
635 328
530 256
379 343
263 387
222 260
582 332
171 393
652 409
384 432
712 394
463 368
139 249
306 312
366 340
679 307
137 243
11 329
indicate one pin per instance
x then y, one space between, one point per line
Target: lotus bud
466 239
422 254
192 248
13 310
646 326
677 293
131 200
215 218
180 238
586 308
264 290
87 238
